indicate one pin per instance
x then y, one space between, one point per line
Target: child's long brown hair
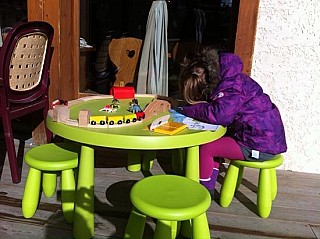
199 75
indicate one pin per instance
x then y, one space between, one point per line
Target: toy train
60 112
116 119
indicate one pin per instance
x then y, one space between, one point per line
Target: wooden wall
246 32
64 17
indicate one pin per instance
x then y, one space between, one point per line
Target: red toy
126 92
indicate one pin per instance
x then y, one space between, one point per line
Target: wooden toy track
61 113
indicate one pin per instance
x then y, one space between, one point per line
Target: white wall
286 63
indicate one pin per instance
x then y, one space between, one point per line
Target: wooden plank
295 214
246 32
44 11
50 13
68 41
243 227
35 10
61 15
75 47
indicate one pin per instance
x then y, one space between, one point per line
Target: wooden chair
124 53
24 79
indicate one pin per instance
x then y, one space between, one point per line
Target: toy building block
61 113
83 118
156 107
170 128
164 126
58 102
126 92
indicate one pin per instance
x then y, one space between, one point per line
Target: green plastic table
134 137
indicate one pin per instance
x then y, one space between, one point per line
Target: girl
219 93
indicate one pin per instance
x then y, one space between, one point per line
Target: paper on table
197 125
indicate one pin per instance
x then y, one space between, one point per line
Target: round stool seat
170 197
272 163
52 157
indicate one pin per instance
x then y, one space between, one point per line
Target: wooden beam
246 32
64 64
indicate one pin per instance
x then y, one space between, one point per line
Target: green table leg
192 163
148 158
178 160
134 160
83 227
192 172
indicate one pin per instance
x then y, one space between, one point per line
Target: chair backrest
25 61
124 53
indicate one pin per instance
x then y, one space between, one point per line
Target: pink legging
225 147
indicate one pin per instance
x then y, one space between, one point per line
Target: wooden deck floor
295 212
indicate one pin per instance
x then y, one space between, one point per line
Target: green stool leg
264 202
134 161
147 161
229 185
49 183
186 228
178 229
83 226
31 193
164 230
175 226
68 187
240 174
274 184
192 172
200 227
135 225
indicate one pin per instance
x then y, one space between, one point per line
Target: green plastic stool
48 160
169 199
267 183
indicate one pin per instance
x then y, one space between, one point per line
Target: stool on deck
48 160
267 183
169 199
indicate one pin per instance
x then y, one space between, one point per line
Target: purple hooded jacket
239 103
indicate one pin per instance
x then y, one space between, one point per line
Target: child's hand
176 116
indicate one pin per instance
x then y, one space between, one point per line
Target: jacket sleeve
221 110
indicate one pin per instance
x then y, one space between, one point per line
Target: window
195 21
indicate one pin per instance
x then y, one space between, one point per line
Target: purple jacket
239 103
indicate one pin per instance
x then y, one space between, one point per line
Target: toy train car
116 119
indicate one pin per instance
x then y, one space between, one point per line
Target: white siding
286 63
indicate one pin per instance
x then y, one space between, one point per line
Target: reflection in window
13 12
204 21
190 22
